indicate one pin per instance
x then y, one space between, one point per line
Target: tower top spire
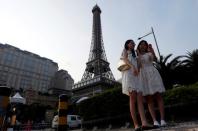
96 8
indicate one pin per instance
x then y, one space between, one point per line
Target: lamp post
152 32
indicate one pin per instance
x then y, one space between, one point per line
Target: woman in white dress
151 80
131 85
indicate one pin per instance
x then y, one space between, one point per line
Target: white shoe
163 123
156 123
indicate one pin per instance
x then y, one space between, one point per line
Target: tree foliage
181 70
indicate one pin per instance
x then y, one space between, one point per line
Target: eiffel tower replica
97 76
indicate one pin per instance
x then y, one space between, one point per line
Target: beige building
34 97
61 83
23 69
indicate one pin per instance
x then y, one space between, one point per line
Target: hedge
181 94
112 104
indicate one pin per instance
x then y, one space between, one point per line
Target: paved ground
184 126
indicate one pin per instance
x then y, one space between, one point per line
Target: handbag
123 66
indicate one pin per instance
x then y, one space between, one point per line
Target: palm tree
191 63
167 69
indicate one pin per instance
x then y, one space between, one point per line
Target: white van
73 121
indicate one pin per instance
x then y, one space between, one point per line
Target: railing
91 81
36 126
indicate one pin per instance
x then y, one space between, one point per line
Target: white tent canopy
82 99
17 98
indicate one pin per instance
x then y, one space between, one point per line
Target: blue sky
61 29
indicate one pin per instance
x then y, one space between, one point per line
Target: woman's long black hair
126 47
142 42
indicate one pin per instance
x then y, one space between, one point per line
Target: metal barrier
35 126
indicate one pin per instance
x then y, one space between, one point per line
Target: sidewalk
184 126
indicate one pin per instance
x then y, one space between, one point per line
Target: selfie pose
151 81
131 85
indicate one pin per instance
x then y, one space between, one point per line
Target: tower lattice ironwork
98 74
97 64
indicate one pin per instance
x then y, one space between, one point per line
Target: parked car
73 121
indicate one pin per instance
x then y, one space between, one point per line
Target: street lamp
152 32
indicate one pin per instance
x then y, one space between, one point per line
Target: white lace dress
129 81
149 76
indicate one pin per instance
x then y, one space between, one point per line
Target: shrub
182 95
112 104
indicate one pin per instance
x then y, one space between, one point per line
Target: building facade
33 97
62 82
23 70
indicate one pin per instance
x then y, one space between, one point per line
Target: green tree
191 64
167 69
